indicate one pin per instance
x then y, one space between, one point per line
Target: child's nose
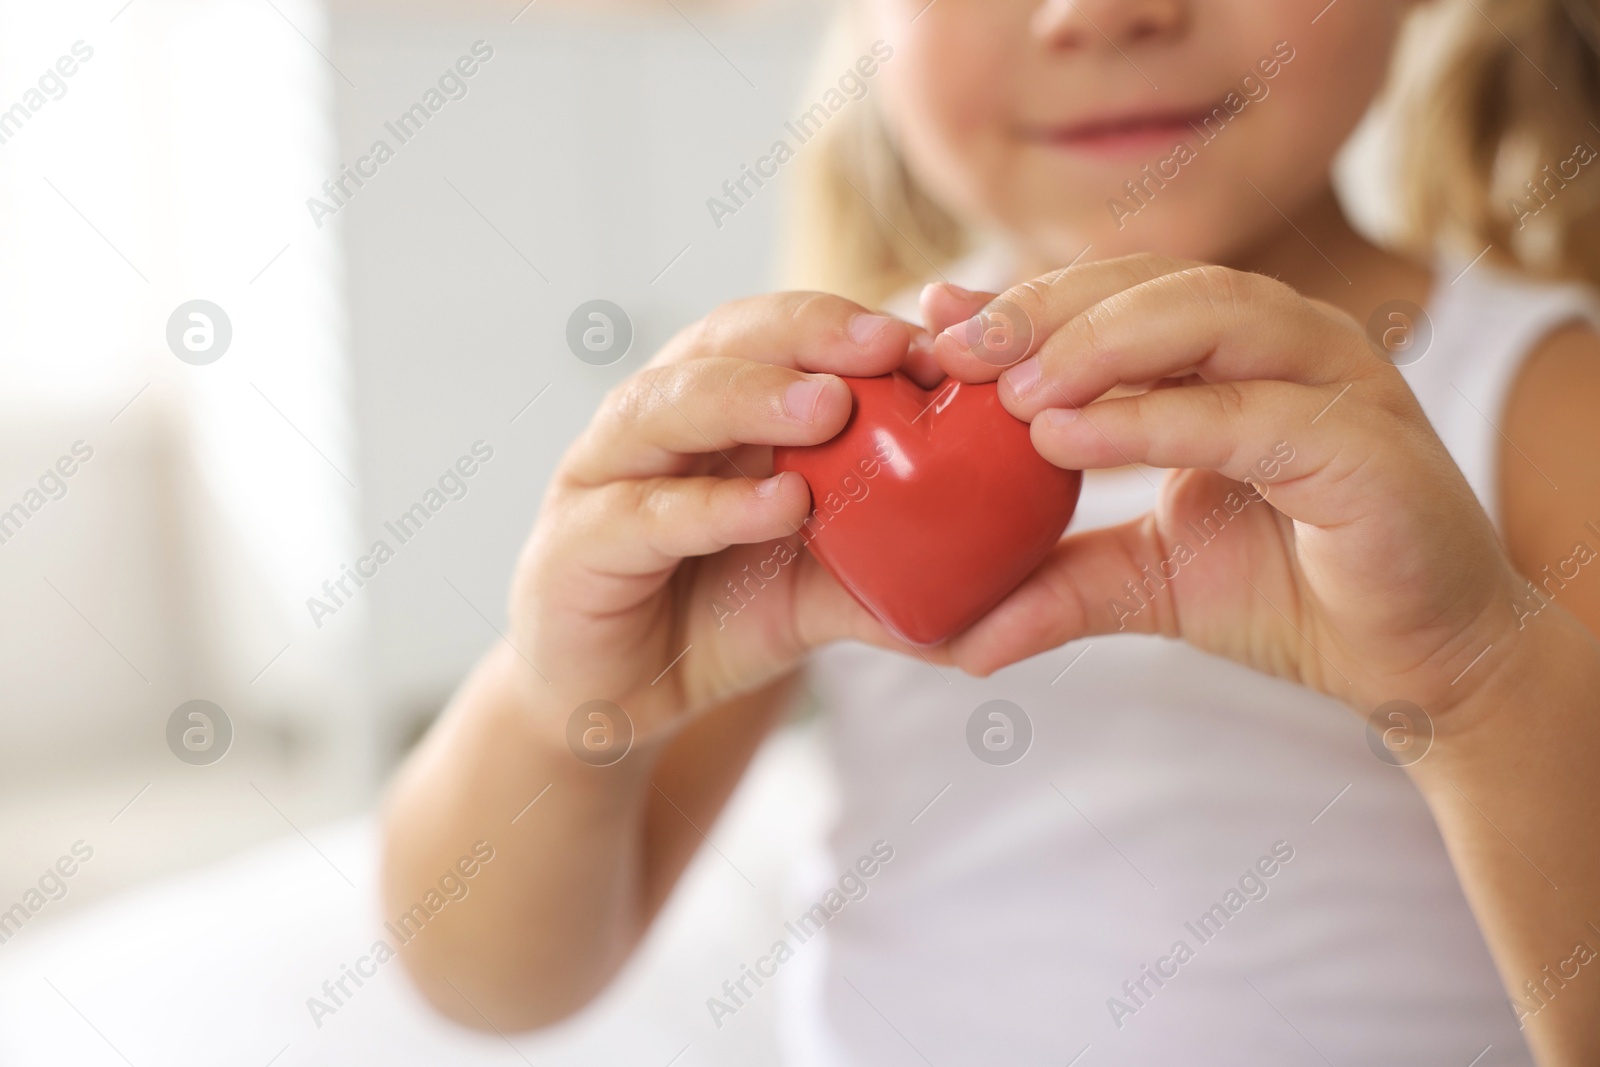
1082 23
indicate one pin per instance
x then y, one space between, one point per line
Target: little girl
1315 786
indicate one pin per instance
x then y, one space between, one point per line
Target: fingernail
769 486
959 292
863 328
1023 377
800 399
967 334
1057 417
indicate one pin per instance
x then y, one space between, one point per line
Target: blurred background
350 355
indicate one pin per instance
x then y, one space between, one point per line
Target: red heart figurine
930 506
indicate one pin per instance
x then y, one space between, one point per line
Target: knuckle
1086 329
1228 295
1232 412
735 388
1231 405
804 306
726 329
742 379
1142 267
1252 292
1221 288
715 333
710 334
651 502
1390 396
1136 268
1032 298
692 340
1172 264
639 395
1132 423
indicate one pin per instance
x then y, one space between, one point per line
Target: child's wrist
1542 686
530 717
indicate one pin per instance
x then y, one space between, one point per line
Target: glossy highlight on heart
930 505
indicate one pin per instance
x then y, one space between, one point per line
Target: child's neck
1324 258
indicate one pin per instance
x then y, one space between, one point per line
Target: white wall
591 144
368 354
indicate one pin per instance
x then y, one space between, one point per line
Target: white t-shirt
1031 910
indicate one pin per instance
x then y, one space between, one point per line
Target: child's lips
1129 134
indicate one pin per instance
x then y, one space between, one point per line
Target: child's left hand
1369 571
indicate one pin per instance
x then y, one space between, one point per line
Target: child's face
1034 116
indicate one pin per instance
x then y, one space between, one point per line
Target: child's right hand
661 502
669 494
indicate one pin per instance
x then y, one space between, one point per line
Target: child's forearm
583 856
1514 782
553 915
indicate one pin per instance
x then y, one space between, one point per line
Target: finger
647 526
1220 324
1097 582
804 331
1065 599
659 419
921 366
943 305
825 612
1265 434
1013 326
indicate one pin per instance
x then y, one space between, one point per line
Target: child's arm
650 515
1536 784
1356 561
578 877
1513 788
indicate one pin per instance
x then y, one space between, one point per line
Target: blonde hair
860 225
1487 137
1476 125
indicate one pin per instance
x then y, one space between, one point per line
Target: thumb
1069 596
825 611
